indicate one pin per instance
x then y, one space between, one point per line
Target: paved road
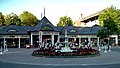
21 58
10 65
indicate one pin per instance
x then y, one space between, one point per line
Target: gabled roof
94 29
28 28
59 28
2 27
84 30
72 30
44 25
14 30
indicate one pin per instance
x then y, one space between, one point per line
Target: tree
102 34
63 21
109 19
1 19
28 19
12 19
110 15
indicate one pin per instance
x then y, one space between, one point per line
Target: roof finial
41 15
44 11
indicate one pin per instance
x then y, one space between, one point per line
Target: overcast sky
56 8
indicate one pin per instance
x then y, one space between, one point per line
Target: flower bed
51 53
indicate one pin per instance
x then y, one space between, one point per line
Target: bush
51 52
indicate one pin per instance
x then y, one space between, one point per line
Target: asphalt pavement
22 58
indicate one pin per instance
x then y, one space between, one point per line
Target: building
88 21
20 36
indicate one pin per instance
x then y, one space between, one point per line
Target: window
12 30
47 28
72 30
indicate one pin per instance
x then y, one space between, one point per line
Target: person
89 45
43 44
86 43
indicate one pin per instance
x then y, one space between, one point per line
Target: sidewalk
23 56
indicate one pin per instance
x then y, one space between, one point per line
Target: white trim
19 43
52 39
31 41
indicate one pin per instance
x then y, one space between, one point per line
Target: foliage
1 19
51 52
12 19
109 19
28 19
110 12
102 34
63 21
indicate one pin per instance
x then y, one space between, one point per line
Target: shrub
51 52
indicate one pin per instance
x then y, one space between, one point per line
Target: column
39 38
116 40
31 39
98 41
75 39
58 38
52 39
79 41
89 39
1 50
19 42
5 45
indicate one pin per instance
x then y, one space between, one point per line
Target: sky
54 9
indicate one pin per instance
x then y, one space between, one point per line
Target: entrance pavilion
20 36
42 31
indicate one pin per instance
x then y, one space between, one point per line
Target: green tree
12 19
1 19
28 19
110 12
109 19
63 21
